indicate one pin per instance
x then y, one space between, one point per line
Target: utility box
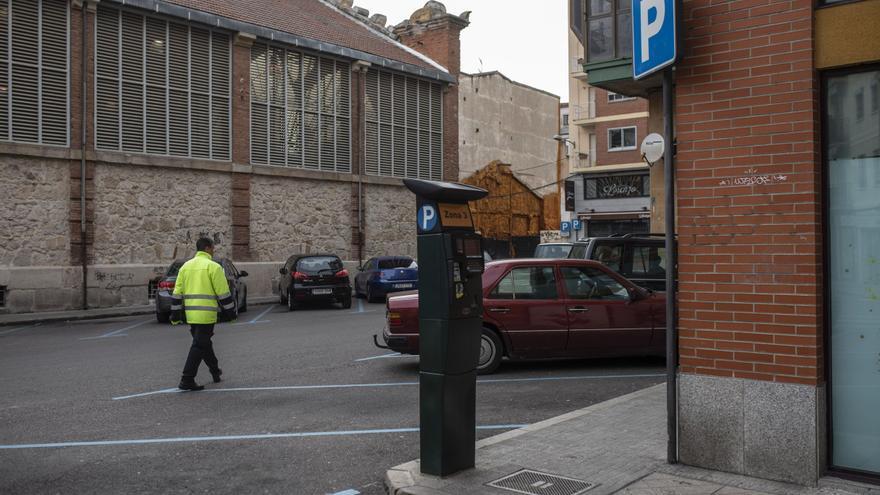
450 256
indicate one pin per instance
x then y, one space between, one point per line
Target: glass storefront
852 123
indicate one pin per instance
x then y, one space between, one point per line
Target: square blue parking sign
654 37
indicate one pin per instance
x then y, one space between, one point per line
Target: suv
638 257
314 278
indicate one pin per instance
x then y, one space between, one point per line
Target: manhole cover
538 483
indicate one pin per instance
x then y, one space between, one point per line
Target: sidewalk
89 314
617 446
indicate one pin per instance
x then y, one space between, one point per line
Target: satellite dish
653 147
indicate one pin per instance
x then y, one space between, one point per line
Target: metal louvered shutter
132 51
33 71
372 118
162 87
221 104
404 136
343 120
53 77
259 105
294 110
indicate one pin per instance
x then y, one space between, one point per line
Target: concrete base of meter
449 346
447 424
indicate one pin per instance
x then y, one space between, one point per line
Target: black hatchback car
638 257
314 278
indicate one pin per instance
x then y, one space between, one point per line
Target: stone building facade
510 122
254 126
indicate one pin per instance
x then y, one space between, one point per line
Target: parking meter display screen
473 247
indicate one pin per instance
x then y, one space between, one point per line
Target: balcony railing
579 113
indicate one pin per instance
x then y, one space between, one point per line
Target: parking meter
450 256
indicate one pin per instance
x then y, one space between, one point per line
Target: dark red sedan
549 308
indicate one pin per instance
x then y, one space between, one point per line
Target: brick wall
605 157
749 192
604 107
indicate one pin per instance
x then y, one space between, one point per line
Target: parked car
309 278
542 309
641 258
383 275
553 250
165 288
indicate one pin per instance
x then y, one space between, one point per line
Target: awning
614 215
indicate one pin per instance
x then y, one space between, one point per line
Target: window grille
34 71
162 87
300 110
404 126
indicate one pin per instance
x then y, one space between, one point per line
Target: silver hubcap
487 351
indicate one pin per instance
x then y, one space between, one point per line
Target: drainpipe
671 271
82 166
361 67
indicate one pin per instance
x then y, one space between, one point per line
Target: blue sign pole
654 36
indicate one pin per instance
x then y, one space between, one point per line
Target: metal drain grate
537 483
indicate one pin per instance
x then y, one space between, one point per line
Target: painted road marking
251 322
118 333
99 443
13 330
383 356
393 384
255 320
350 491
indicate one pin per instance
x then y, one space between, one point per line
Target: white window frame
8 62
167 86
381 151
338 166
617 97
622 130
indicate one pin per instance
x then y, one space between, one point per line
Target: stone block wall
390 218
155 215
34 223
290 215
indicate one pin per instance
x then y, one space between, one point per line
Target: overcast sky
526 41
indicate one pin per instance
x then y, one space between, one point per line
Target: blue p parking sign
427 218
654 37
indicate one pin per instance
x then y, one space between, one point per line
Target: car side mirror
281 271
242 273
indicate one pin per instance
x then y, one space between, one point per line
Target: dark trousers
202 349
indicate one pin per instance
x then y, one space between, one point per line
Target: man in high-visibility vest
200 292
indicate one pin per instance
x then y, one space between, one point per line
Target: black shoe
216 375
190 385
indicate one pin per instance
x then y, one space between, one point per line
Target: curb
405 479
98 313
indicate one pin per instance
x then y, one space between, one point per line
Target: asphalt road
308 404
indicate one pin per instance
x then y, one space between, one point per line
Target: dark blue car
382 275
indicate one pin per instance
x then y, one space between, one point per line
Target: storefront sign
616 186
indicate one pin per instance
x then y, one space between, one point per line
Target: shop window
608 25
622 139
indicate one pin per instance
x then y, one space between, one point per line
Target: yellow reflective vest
201 291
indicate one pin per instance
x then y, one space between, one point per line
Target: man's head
205 244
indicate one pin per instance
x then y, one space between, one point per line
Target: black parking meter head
447 192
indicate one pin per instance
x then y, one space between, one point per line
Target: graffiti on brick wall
751 177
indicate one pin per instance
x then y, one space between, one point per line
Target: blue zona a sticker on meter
427 218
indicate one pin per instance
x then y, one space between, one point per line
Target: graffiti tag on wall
753 178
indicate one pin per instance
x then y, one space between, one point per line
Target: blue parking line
383 356
350 491
146 441
13 330
255 320
393 384
118 333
